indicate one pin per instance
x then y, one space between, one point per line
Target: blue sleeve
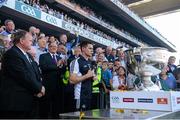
109 75
174 79
172 76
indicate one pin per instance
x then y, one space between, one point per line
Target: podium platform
115 114
148 100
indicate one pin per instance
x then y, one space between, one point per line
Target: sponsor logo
145 100
51 19
70 27
178 100
162 101
86 34
128 99
115 99
26 9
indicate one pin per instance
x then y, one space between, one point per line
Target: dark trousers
85 104
95 102
107 101
104 99
15 115
35 110
50 105
68 100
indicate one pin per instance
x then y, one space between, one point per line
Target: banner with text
51 19
73 29
28 10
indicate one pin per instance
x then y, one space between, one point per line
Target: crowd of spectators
140 18
62 15
90 12
113 64
41 41
54 58
110 25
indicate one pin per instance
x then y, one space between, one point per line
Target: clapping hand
122 87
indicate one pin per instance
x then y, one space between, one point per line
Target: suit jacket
36 68
51 74
19 83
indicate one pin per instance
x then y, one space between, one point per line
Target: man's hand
106 90
43 90
60 62
122 87
42 93
90 74
95 78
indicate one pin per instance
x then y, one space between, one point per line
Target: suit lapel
33 63
36 69
50 57
30 65
21 55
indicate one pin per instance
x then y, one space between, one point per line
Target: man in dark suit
20 81
33 52
52 67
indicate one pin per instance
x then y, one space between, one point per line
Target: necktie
28 57
54 59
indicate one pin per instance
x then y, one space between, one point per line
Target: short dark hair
7 21
52 43
84 44
60 44
116 60
18 35
62 35
172 57
123 69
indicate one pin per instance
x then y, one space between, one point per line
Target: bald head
32 29
77 51
108 50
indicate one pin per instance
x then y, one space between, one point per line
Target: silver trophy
148 62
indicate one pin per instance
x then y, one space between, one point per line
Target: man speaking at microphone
82 75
